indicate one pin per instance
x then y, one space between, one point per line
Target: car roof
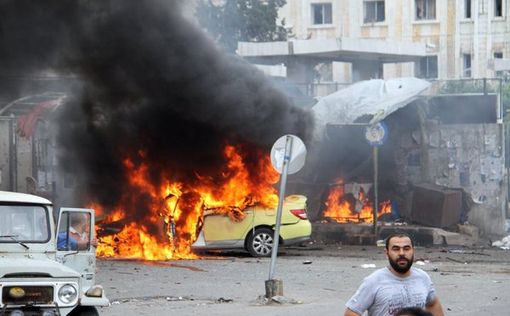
6 196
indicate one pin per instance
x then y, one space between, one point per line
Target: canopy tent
365 102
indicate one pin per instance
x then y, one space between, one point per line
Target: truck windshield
24 223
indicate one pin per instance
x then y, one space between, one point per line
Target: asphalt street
317 280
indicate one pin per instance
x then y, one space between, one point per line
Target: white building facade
458 38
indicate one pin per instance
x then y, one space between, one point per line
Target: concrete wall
14 179
24 163
468 156
5 183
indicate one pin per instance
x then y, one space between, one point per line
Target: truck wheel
84 311
260 243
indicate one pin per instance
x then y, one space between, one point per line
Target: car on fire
36 278
254 230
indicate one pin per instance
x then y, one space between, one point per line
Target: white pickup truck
36 278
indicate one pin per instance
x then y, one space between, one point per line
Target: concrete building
350 40
28 148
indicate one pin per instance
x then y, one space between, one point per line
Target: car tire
85 311
260 243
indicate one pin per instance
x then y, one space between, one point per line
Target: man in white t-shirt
386 291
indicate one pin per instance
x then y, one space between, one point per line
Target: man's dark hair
414 311
398 234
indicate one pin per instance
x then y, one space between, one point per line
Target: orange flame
169 223
342 211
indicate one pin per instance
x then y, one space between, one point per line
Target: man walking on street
386 291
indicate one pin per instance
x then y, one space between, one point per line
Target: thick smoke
152 87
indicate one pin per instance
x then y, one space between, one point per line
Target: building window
499 55
69 180
373 11
498 8
425 9
322 13
323 72
467 9
466 59
428 67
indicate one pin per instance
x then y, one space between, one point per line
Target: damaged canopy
368 102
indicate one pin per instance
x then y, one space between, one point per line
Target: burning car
36 277
253 228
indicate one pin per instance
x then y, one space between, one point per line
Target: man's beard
401 269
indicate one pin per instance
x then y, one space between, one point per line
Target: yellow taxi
254 230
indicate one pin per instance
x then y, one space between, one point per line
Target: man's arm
349 312
84 244
435 307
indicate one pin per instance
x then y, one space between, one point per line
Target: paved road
317 280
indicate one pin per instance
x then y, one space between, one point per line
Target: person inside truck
77 237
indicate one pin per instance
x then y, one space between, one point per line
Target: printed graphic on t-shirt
402 296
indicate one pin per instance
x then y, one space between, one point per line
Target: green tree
231 21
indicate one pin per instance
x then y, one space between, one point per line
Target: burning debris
349 203
159 125
173 212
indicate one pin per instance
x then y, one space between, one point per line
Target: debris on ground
276 300
368 265
503 243
422 262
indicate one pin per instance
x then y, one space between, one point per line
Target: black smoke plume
151 86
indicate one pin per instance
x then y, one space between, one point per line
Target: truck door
74 247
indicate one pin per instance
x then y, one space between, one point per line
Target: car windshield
23 223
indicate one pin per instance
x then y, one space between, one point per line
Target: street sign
297 155
376 134
287 157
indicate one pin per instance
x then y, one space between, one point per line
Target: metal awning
27 104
